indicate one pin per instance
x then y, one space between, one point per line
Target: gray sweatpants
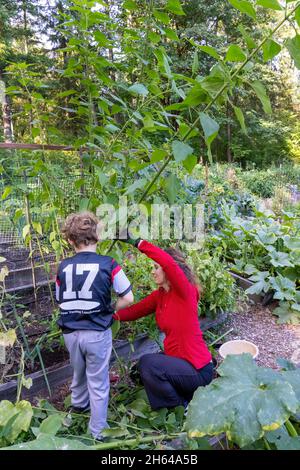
90 352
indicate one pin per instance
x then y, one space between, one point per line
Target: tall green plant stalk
43 369
47 274
211 103
23 334
29 222
20 375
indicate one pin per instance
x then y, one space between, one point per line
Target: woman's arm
174 273
139 310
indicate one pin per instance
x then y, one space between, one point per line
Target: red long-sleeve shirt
175 310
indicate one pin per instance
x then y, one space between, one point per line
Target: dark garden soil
61 392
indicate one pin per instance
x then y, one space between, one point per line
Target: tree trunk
25 26
6 112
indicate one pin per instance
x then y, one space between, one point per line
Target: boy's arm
57 284
121 286
124 301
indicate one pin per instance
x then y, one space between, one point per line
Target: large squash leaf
49 442
245 402
14 419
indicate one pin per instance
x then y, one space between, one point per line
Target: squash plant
266 250
249 403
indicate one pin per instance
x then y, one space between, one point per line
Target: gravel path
255 323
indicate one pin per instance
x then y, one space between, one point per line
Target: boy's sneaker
186 407
77 410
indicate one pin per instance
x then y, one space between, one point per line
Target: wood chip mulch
255 323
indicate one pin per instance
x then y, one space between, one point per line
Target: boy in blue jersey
83 291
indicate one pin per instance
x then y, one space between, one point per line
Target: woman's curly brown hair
179 257
81 228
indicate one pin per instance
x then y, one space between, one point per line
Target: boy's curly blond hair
81 228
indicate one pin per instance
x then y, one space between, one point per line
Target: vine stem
267 444
291 429
211 103
130 442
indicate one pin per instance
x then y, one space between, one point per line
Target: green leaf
286 314
115 432
212 84
190 162
288 443
184 129
292 273
101 39
195 65
195 96
175 7
293 243
21 412
260 283
35 131
181 150
248 39
130 5
211 129
138 89
8 338
37 227
48 442
244 7
63 94
172 186
210 51
240 117
235 54
7 191
279 258
171 34
245 402
26 231
297 15
158 155
154 37
115 328
270 49
161 16
293 46
272 4
27 383
138 184
52 424
284 287
262 96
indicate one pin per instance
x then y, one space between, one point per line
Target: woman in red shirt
171 378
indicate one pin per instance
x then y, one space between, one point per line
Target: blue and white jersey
83 291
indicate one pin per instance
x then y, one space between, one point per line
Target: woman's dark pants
170 381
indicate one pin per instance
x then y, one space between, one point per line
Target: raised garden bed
61 372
